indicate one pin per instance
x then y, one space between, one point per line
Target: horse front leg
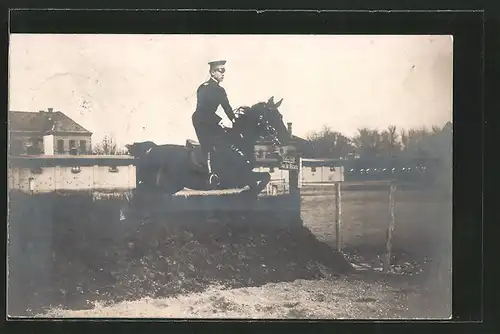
263 181
258 181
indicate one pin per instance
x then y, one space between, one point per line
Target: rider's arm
226 106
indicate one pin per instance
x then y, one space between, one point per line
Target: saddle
196 159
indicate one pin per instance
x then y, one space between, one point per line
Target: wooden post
300 173
390 229
293 179
338 215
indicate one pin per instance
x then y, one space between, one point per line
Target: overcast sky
142 87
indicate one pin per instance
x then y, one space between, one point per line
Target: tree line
434 142
373 143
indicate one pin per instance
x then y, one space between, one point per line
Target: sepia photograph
204 176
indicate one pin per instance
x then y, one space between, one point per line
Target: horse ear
279 103
271 100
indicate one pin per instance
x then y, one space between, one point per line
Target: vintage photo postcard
230 176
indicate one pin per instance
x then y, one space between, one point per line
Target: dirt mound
98 257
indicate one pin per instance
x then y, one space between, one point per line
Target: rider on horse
210 95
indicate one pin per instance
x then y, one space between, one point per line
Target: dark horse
170 168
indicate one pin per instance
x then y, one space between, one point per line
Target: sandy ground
359 296
302 299
419 285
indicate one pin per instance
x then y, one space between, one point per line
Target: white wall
322 175
62 178
124 178
277 176
48 145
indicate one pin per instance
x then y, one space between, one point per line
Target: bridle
271 130
262 123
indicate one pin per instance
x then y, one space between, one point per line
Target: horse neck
250 138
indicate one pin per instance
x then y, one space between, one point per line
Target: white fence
319 171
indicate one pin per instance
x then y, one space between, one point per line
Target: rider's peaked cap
217 63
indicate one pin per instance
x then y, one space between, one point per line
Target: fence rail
338 220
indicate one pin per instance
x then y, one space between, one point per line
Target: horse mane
257 105
249 110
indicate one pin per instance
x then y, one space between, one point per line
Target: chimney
50 109
289 128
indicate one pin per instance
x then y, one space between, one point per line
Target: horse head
141 149
265 121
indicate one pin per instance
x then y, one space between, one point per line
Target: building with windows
265 152
46 132
267 158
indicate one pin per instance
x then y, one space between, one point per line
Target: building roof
293 140
45 122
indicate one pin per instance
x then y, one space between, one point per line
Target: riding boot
209 163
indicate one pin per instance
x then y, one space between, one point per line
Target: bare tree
368 142
436 129
389 142
329 144
393 137
404 139
416 141
107 147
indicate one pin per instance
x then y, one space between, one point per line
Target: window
113 169
60 146
32 150
36 170
83 146
72 148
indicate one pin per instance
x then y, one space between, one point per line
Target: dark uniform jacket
210 95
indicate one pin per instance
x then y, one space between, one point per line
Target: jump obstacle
50 191
117 175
